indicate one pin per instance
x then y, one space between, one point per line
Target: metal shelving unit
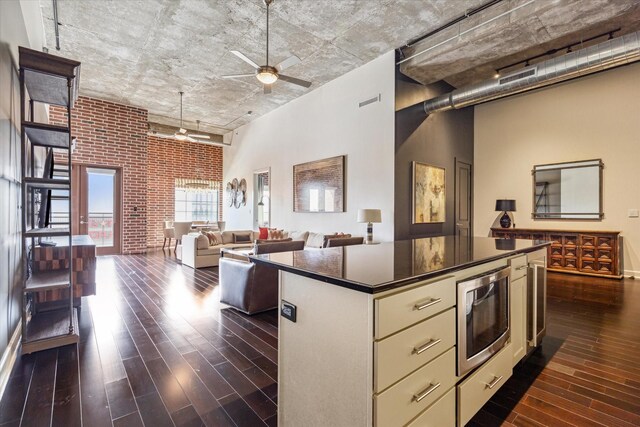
51 80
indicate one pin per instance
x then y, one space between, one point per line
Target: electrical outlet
633 213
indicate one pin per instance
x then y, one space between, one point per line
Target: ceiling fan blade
245 58
163 135
233 76
191 139
294 80
267 89
289 62
199 136
182 131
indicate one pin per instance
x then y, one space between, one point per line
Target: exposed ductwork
611 53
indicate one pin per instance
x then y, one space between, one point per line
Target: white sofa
196 252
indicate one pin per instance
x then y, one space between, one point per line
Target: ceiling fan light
267 77
181 137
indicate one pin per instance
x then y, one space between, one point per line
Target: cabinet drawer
396 312
402 353
570 252
556 239
605 255
570 263
406 399
588 241
441 413
556 262
476 390
571 240
518 267
587 253
605 242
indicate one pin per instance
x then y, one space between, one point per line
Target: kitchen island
368 334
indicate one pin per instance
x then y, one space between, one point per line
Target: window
196 200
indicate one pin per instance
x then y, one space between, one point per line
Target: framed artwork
428 194
318 186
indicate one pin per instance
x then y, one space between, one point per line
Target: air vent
370 100
521 75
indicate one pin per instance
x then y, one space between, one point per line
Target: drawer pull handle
522 267
422 306
426 392
495 381
425 347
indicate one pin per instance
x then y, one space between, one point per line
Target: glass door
99 207
261 198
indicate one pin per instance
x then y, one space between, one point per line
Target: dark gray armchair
344 241
252 288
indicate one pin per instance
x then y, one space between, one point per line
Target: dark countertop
76 240
380 267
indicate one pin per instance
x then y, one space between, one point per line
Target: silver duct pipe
611 53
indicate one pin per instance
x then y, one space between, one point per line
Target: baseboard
9 358
629 273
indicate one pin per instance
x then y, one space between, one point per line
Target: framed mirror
571 190
262 198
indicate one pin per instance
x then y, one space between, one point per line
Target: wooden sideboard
47 258
594 253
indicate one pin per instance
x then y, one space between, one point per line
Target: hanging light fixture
181 136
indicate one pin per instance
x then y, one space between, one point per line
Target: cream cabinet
477 388
518 326
518 307
389 358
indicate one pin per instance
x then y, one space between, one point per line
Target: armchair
249 287
168 233
180 228
344 241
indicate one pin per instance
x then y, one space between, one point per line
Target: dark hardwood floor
158 349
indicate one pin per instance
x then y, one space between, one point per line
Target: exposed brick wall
115 135
169 159
111 134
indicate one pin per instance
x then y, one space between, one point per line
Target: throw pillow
299 235
218 236
241 238
202 242
264 233
211 239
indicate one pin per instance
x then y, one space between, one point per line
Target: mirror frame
579 216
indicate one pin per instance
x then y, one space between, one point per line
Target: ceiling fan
182 134
269 74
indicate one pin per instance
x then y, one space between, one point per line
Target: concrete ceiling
142 52
533 29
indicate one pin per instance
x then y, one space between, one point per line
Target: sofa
253 288
197 252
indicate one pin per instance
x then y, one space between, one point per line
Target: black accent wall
437 140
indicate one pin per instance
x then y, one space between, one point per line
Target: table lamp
505 206
369 216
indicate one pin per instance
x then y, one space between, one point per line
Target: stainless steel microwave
483 317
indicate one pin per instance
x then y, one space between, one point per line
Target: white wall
323 123
590 118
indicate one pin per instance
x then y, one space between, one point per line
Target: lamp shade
505 205
369 215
